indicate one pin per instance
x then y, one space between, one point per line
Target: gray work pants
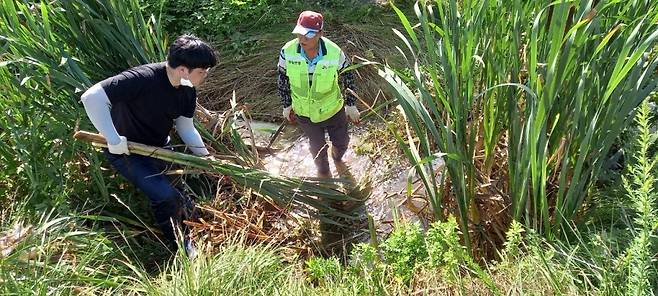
336 127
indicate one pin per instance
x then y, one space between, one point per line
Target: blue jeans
147 174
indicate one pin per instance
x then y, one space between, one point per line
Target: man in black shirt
142 105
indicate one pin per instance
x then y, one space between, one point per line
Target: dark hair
191 52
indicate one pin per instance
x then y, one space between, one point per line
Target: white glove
289 114
352 114
119 148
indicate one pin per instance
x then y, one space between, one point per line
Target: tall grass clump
522 99
236 270
58 256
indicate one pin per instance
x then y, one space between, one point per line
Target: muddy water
389 181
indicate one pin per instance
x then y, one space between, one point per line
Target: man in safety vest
309 74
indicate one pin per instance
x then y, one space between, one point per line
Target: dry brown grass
256 220
253 77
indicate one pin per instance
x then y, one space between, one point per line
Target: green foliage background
210 19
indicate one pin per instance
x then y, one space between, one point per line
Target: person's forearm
191 137
347 82
97 106
283 89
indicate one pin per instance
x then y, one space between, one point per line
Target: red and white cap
309 22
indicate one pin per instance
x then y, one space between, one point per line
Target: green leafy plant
513 240
642 192
443 245
364 257
446 252
404 250
323 270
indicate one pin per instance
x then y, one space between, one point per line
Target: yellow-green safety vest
321 99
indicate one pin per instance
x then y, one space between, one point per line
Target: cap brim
299 29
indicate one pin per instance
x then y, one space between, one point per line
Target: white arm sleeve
97 105
344 62
189 135
282 61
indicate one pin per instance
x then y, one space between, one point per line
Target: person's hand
289 114
119 148
352 114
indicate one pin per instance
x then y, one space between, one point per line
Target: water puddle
388 178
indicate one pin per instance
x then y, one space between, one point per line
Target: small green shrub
443 245
323 270
640 187
446 251
404 250
514 238
364 256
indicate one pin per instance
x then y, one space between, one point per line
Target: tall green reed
524 96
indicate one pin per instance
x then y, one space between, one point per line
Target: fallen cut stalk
284 191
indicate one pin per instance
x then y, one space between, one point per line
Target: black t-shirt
145 104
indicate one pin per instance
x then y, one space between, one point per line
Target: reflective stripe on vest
321 99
